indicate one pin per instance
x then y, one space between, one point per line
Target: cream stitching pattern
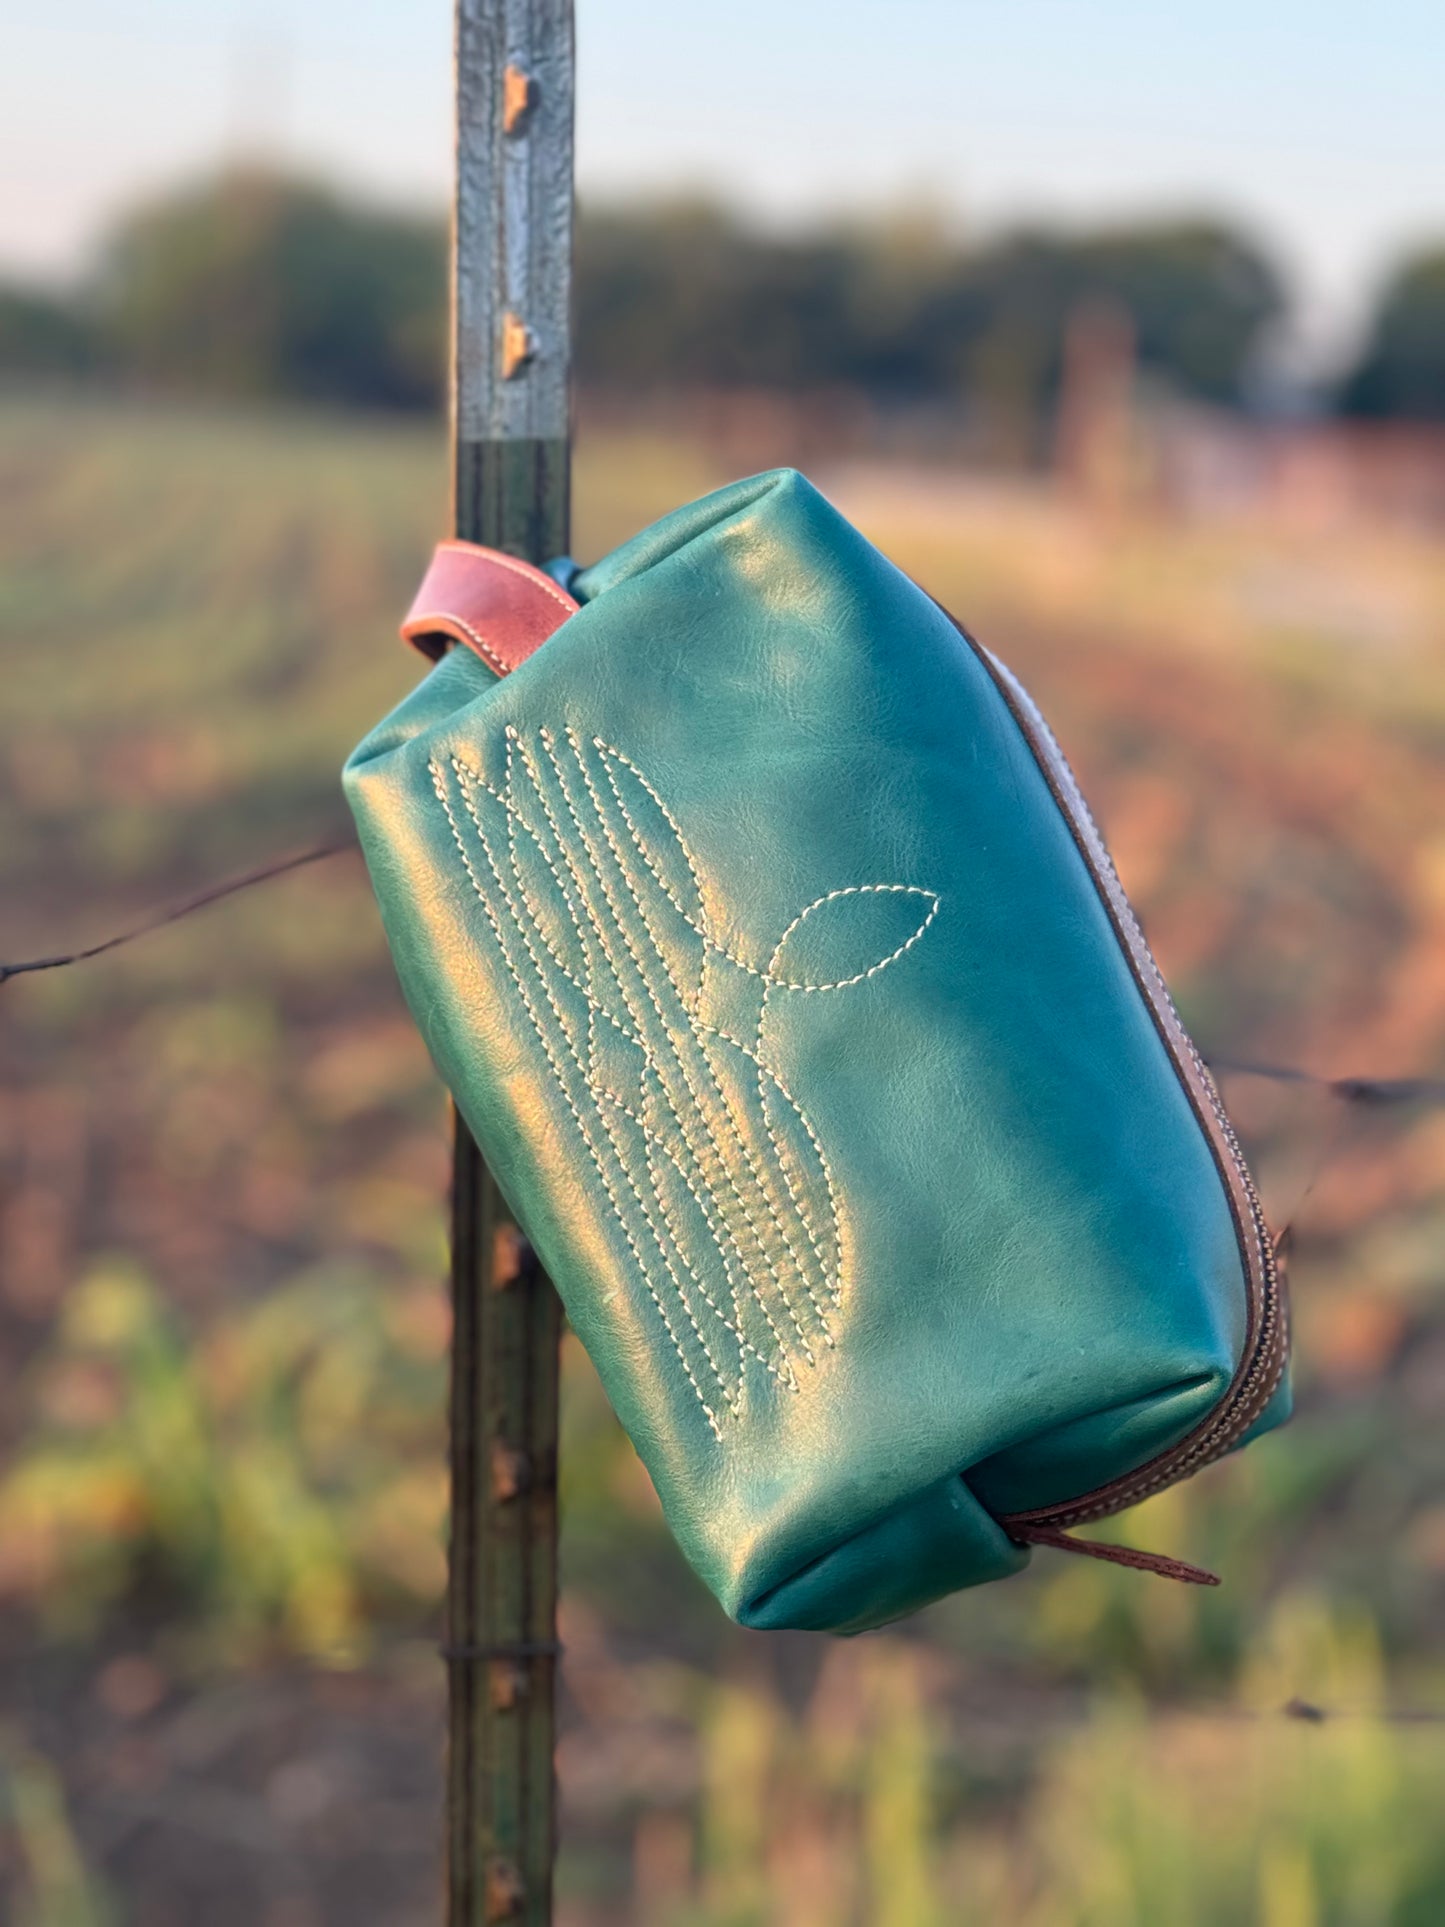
597 930
619 1153
656 1144
595 1010
835 1205
442 617
560 1076
775 982
670 1034
687 1115
611 756
616 1148
728 1109
769 975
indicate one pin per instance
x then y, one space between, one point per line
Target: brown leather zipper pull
1029 1535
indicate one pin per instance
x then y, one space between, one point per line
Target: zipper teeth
1256 1382
1259 1375
1250 1394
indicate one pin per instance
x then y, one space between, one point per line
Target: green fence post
511 320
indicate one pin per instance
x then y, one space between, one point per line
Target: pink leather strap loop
494 604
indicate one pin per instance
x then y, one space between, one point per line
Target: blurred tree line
252 285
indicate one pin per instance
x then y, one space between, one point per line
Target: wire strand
160 919
1350 1090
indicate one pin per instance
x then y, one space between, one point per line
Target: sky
1318 125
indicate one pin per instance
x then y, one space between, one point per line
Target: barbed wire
1068 1708
186 908
1350 1092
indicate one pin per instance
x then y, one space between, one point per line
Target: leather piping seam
1210 1117
1207 1110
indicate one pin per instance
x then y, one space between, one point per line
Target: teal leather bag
756 923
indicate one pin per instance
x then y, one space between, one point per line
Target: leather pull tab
494 604
1156 1562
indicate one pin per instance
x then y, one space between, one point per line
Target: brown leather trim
1265 1349
1156 1562
500 607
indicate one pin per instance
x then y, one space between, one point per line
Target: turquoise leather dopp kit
756 924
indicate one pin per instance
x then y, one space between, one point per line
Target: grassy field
222 1331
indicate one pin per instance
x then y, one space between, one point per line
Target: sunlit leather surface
764 967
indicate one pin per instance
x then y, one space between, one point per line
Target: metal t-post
511 318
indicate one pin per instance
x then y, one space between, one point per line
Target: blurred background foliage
252 284
1399 372
224 1155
